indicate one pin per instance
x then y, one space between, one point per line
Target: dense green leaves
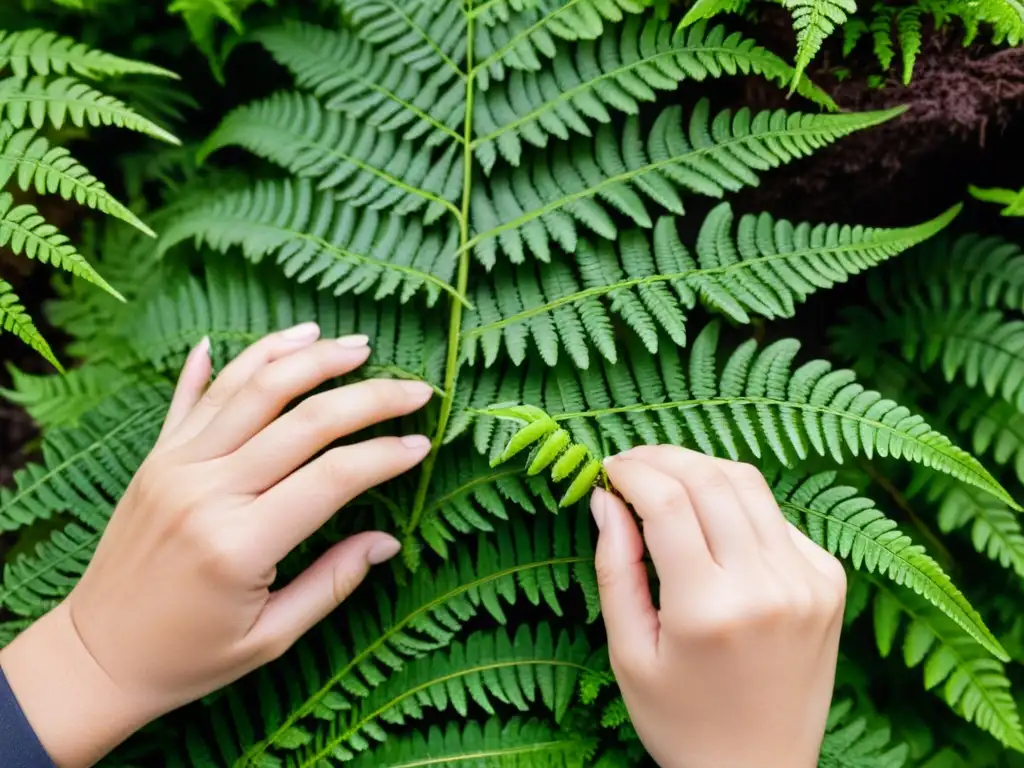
24 231
33 163
581 181
962 674
760 266
311 235
40 52
15 319
754 402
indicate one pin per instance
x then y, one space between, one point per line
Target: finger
629 615
825 564
670 526
195 376
316 422
748 484
729 534
240 370
273 387
312 595
289 512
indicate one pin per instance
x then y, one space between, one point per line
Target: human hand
177 601
736 667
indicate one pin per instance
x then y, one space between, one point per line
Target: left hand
177 600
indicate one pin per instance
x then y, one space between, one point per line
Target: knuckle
266 381
748 476
215 552
606 576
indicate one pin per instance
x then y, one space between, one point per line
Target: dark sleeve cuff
19 745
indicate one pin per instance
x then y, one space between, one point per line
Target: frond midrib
738 266
261 747
977 633
538 746
311 761
515 39
590 84
218 218
630 174
963 664
155 414
682 405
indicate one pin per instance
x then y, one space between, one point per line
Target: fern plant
46 86
500 196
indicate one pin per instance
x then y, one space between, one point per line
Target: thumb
629 616
313 594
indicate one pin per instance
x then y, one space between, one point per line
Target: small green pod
526 437
567 464
582 484
548 452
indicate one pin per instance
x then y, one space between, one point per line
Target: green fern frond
996 428
360 165
755 397
850 742
1005 16
971 271
355 79
525 669
37 101
88 466
35 164
24 231
702 10
1011 200
60 401
426 36
234 305
995 529
14 319
311 235
814 20
511 743
764 268
908 26
881 34
584 84
972 683
37 51
531 35
523 209
537 559
853 31
840 520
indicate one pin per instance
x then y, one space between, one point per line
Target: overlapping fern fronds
42 86
502 183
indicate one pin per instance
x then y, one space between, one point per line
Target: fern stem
311 761
512 43
904 238
870 119
260 748
487 757
451 367
943 555
429 40
715 52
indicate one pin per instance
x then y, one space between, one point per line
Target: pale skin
734 668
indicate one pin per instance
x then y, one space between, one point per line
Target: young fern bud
552 446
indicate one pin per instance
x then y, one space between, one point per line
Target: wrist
78 712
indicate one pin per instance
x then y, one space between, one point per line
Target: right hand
736 668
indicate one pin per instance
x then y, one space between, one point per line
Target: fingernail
416 442
355 341
383 551
418 390
599 506
303 332
202 349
